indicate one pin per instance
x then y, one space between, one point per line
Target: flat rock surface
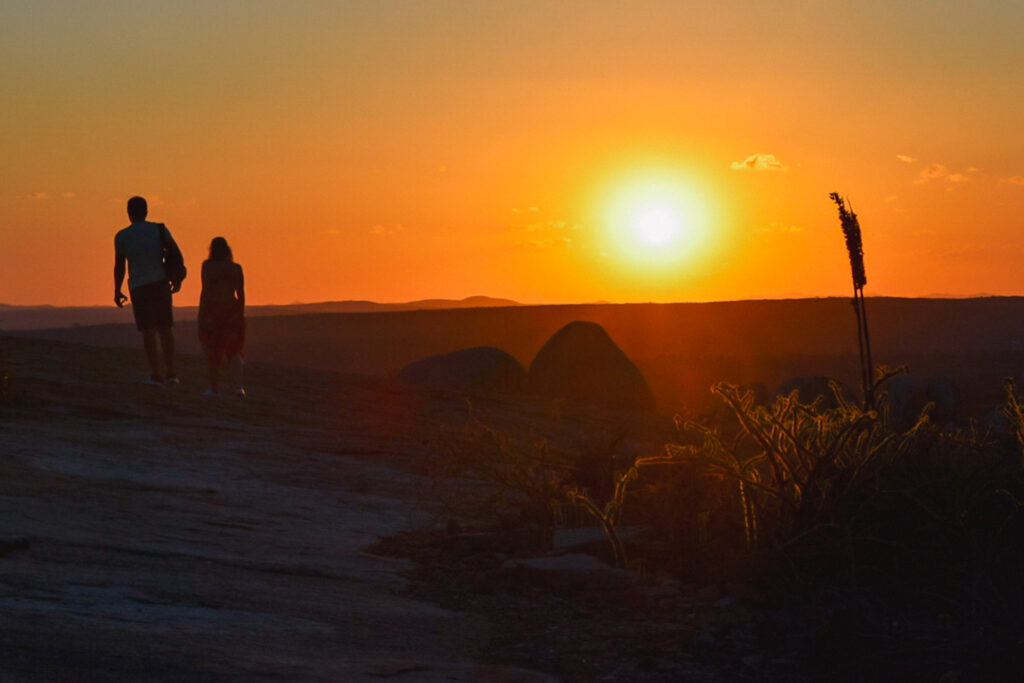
156 534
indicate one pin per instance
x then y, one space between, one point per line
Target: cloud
780 228
547 226
554 242
932 172
940 172
1014 180
381 229
544 234
529 209
69 195
39 195
331 231
759 162
905 159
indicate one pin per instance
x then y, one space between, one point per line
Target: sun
654 220
656 224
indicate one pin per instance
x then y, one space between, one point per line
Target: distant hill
16 318
373 306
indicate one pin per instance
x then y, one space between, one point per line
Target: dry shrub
925 516
525 478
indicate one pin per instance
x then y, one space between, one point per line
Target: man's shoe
153 382
240 392
173 379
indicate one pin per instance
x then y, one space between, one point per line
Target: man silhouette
142 245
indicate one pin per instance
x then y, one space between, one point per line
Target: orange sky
404 150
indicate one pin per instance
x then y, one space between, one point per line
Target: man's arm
119 297
172 246
240 289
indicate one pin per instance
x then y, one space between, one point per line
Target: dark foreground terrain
314 532
161 535
297 535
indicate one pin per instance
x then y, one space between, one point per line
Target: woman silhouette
222 313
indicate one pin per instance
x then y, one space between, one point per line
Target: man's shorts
151 305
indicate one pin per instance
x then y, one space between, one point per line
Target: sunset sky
549 151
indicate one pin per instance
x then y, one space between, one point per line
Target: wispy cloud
39 195
940 172
759 162
528 209
1014 180
549 243
540 226
68 195
547 226
383 229
543 234
905 159
932 172
780 228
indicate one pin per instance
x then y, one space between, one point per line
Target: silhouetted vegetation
855 249
922 527
836 495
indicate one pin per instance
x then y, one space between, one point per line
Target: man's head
137 209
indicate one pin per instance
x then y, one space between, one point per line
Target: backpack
174 262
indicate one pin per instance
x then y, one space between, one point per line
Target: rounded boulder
581 364
481 369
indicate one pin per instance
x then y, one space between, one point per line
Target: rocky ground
157 534
301 534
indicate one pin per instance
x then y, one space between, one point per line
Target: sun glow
656 224
655 220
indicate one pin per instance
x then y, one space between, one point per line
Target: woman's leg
213 371
237 361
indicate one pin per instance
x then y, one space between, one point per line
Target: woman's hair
219 250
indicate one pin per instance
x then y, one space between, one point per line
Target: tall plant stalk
855 248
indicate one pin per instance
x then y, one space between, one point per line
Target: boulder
582 365
582 538
945 394
481 369
570 573
905 396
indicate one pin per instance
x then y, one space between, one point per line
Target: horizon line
515 303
